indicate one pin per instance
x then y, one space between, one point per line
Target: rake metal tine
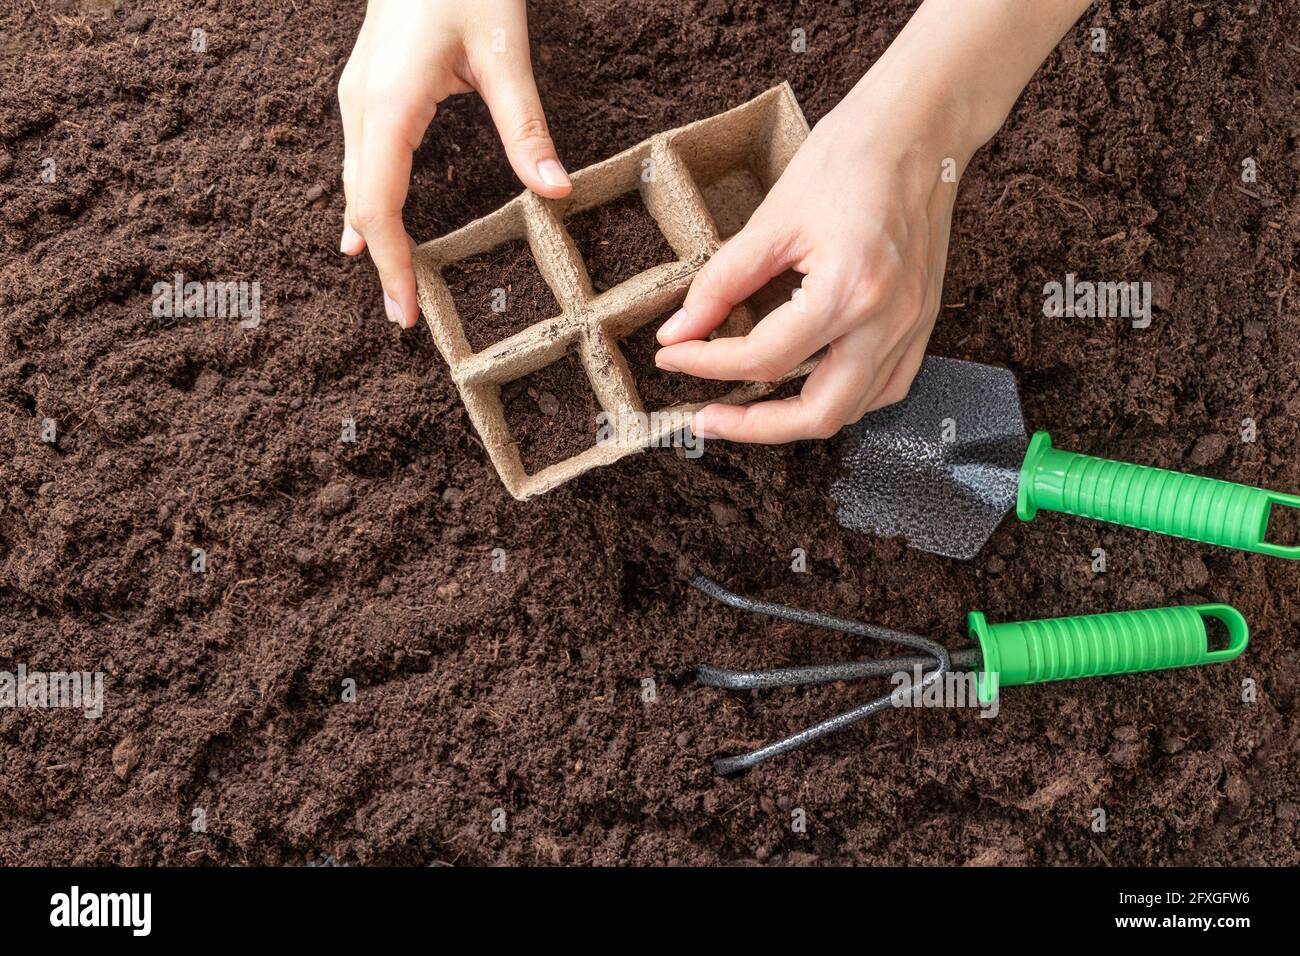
719 677
729 765
797 676
729 679
815 618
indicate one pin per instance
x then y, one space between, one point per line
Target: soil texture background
523 688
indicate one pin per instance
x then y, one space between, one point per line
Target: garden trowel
945 465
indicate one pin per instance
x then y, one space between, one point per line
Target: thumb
508 87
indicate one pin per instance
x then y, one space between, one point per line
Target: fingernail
394 311
664 365
553 173
673 325
349 240
705 434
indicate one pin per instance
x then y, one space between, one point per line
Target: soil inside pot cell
551 413
775 294
474 283
660 389
732 199
618 240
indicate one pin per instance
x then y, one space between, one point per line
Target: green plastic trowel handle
1185 506
1063 648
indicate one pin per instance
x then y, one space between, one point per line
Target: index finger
741 267
383 178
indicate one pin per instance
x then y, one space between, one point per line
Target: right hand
864 213
410 56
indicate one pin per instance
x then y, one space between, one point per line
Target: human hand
864 211
409 56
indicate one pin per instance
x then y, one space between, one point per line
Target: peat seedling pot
945 465
1024 652
689 188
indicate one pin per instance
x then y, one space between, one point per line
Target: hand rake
1025 652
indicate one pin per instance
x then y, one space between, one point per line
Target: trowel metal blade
942 467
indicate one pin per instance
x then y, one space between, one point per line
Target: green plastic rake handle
1063 648
1185 506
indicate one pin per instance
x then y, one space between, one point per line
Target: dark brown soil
552 413
1284 527
660 389
473 283
514 678
775 294
618 240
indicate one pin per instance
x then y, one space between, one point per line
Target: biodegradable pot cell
698 183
